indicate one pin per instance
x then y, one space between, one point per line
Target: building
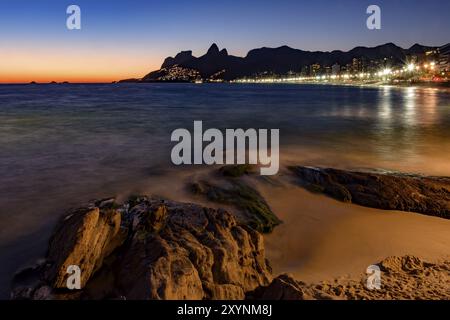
305 72
315 69
356 65
335 69
443 62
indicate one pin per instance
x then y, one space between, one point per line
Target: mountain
180 58
220 65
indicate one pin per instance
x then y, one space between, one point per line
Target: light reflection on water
61 145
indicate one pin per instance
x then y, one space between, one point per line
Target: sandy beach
322 239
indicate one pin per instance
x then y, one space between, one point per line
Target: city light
395 74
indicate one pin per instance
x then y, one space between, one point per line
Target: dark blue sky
155 29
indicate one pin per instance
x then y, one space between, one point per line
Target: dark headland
217 65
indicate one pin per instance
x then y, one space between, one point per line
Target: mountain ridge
278 60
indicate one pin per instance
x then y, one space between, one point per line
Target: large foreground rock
149 249
84 238
383 190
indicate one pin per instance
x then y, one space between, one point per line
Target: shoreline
322 239
330 240
426 85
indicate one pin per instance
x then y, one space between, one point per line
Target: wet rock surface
382 190
149 248
228 188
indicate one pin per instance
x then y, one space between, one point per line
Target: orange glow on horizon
73 78
83 65
17 79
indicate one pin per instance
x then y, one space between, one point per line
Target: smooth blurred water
61 145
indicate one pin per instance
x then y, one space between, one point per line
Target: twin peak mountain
218 64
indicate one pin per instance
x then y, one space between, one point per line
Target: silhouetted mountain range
279 60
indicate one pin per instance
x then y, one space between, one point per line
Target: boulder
84 238
382 190
149 248
283 287
194 253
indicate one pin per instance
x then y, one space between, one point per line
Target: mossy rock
135 199
314 188
255 209
237 170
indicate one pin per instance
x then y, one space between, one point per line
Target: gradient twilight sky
128 38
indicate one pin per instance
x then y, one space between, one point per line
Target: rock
195 253
237 170
42 293
283 287
149 248
383 190
251 207
84 238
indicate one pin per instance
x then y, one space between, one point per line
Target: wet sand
322 239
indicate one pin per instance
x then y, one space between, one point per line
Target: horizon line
112 80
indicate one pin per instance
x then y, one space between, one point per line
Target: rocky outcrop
383 190
191 252
84 238
401 278
149 248
228 189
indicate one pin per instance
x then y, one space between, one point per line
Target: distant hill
184 66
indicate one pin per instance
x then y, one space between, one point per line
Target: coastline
319 241
444 86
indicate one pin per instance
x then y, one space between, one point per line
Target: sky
129 38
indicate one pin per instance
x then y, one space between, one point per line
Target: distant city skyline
126 39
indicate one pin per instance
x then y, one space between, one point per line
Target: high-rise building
356 65
315 69
305 71
335 69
